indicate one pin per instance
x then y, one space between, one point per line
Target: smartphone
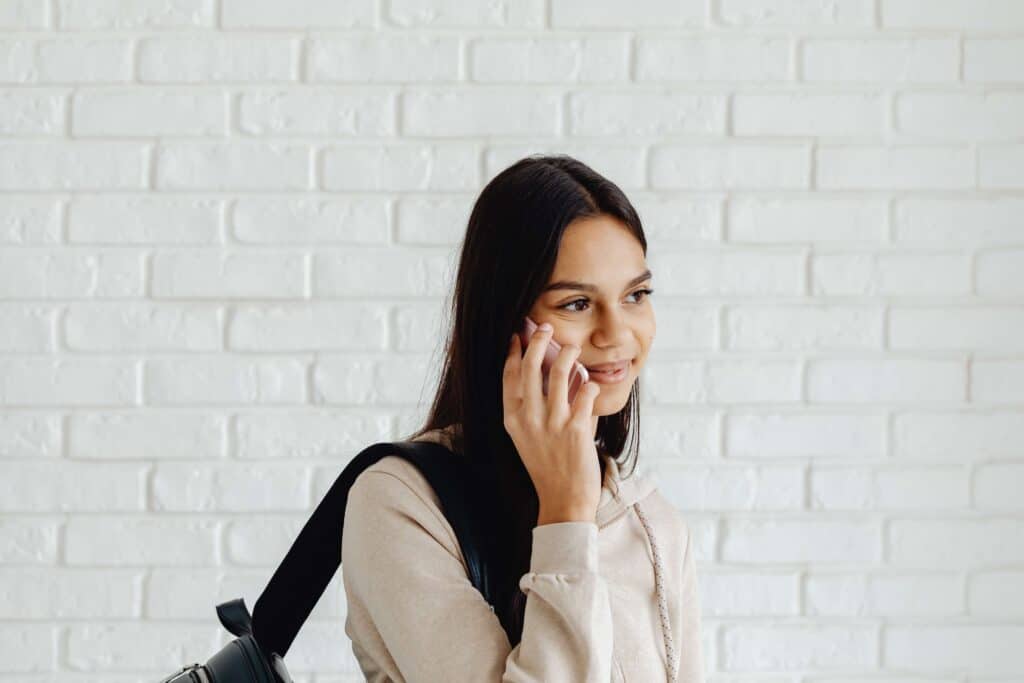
578 376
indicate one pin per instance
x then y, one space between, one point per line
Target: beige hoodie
592 606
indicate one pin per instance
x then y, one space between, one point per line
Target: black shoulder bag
256 656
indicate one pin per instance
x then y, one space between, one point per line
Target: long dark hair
508 255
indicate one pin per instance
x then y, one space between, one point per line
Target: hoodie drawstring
659 585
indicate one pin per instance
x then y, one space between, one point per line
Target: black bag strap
314 558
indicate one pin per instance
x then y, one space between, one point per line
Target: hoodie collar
630 490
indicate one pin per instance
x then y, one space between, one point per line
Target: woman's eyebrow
587 287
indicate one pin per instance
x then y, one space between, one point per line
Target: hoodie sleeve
408 590
691 663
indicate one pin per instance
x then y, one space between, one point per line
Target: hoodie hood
630 490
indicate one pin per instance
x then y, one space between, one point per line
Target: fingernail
546 327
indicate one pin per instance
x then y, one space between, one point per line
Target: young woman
597 567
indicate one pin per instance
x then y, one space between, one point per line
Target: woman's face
594 300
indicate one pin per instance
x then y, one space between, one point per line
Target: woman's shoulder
397 483
409 474
394 494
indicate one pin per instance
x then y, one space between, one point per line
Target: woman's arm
401 569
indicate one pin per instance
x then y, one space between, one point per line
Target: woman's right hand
555 440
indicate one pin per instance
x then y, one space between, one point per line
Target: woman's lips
610 377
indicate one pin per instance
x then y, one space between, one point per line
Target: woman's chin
612 399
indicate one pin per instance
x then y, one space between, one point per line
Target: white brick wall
227 228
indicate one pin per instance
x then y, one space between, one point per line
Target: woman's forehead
599 242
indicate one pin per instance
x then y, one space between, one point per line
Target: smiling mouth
614 376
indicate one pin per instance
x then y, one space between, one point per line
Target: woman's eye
645 292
